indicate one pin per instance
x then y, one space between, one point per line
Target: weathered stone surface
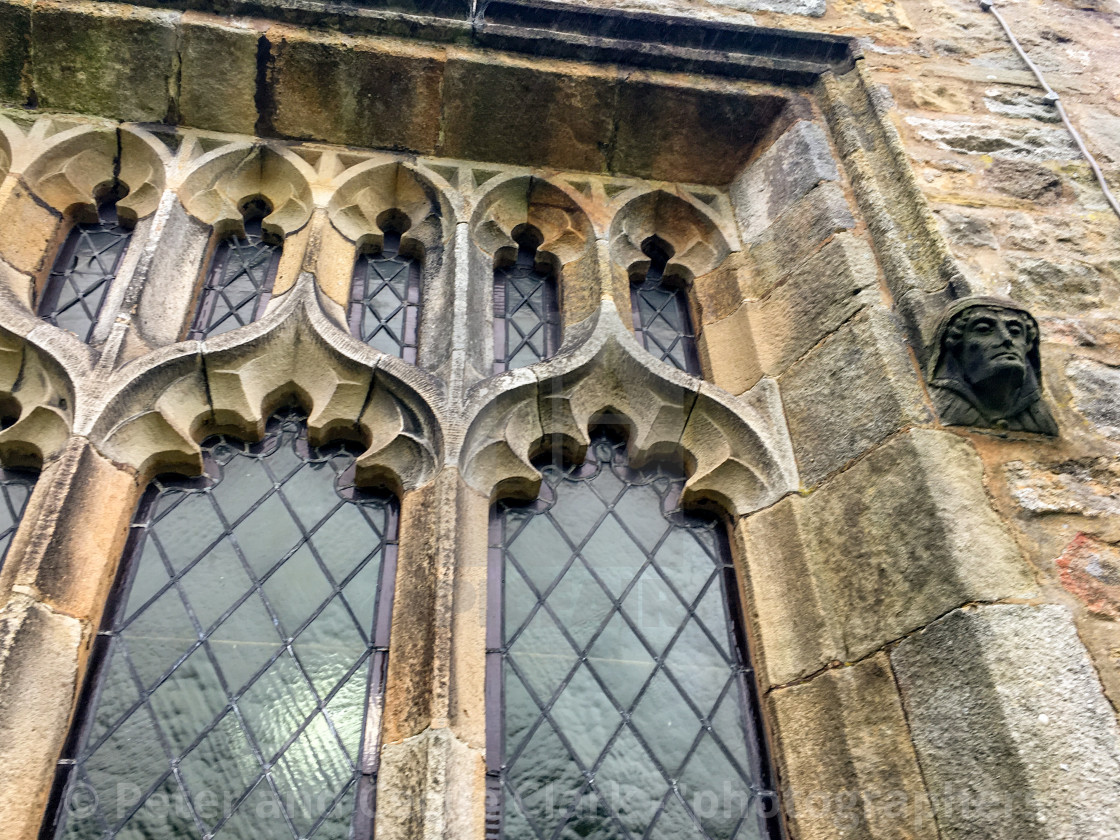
361 72
728 352
30 228
1054 285
900 538
90 60
1014 734
971 231
848 767
1026 180
1018 103
796 234
1087 486
849 394
39 659
999 139
218 74
1090 569
1096 394
796 162
15 51
814 8
817 297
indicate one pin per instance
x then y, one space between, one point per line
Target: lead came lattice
617 667
385 300
235 673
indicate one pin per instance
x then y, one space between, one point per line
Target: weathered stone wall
935 610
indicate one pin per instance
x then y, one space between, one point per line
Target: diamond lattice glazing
239 284
82 273
233 678
15 490
385 301
627 707
526 315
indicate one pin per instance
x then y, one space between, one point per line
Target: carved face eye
1015 328
983 326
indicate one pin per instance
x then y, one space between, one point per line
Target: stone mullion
431 781
60 569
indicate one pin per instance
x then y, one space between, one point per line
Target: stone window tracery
621 694
659 306
240 664
526 308
83 270
239 280
385 303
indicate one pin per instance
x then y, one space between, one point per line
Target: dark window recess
526 312
619 691
661 318
15 490
242 656
239 283
385 300
83 271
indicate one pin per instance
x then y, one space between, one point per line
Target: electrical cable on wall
1052 97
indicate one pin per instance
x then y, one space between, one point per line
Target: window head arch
239 282
622 702
526 305
86 265
242 655
659 306
385 292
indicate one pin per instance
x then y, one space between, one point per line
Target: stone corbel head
985 371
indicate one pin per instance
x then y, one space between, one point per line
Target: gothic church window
659 306
526 308
621 700
385 294
15 490
84 269
239 282
242 657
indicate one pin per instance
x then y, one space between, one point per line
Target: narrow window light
385 295
660 310
239 283
15 490
84 269
238 675
621 700
526 308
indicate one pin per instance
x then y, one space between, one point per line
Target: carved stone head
985 369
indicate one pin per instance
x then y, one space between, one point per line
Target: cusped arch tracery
36 403
75 166
157 416
736 452
698 245
220 182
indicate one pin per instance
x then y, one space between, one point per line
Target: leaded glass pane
661 317
239 283
385 301
235 671
526 314
82 273
15 490
622 700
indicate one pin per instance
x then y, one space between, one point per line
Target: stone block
218 74
517 113
817 298
39 659
848 767
28 232
385 98
850 393
720 293
796 234
1084 486
92 59
689 135
1056 286
997 138
15 51
728 353
796 162
1015 736
898 540
1096 394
